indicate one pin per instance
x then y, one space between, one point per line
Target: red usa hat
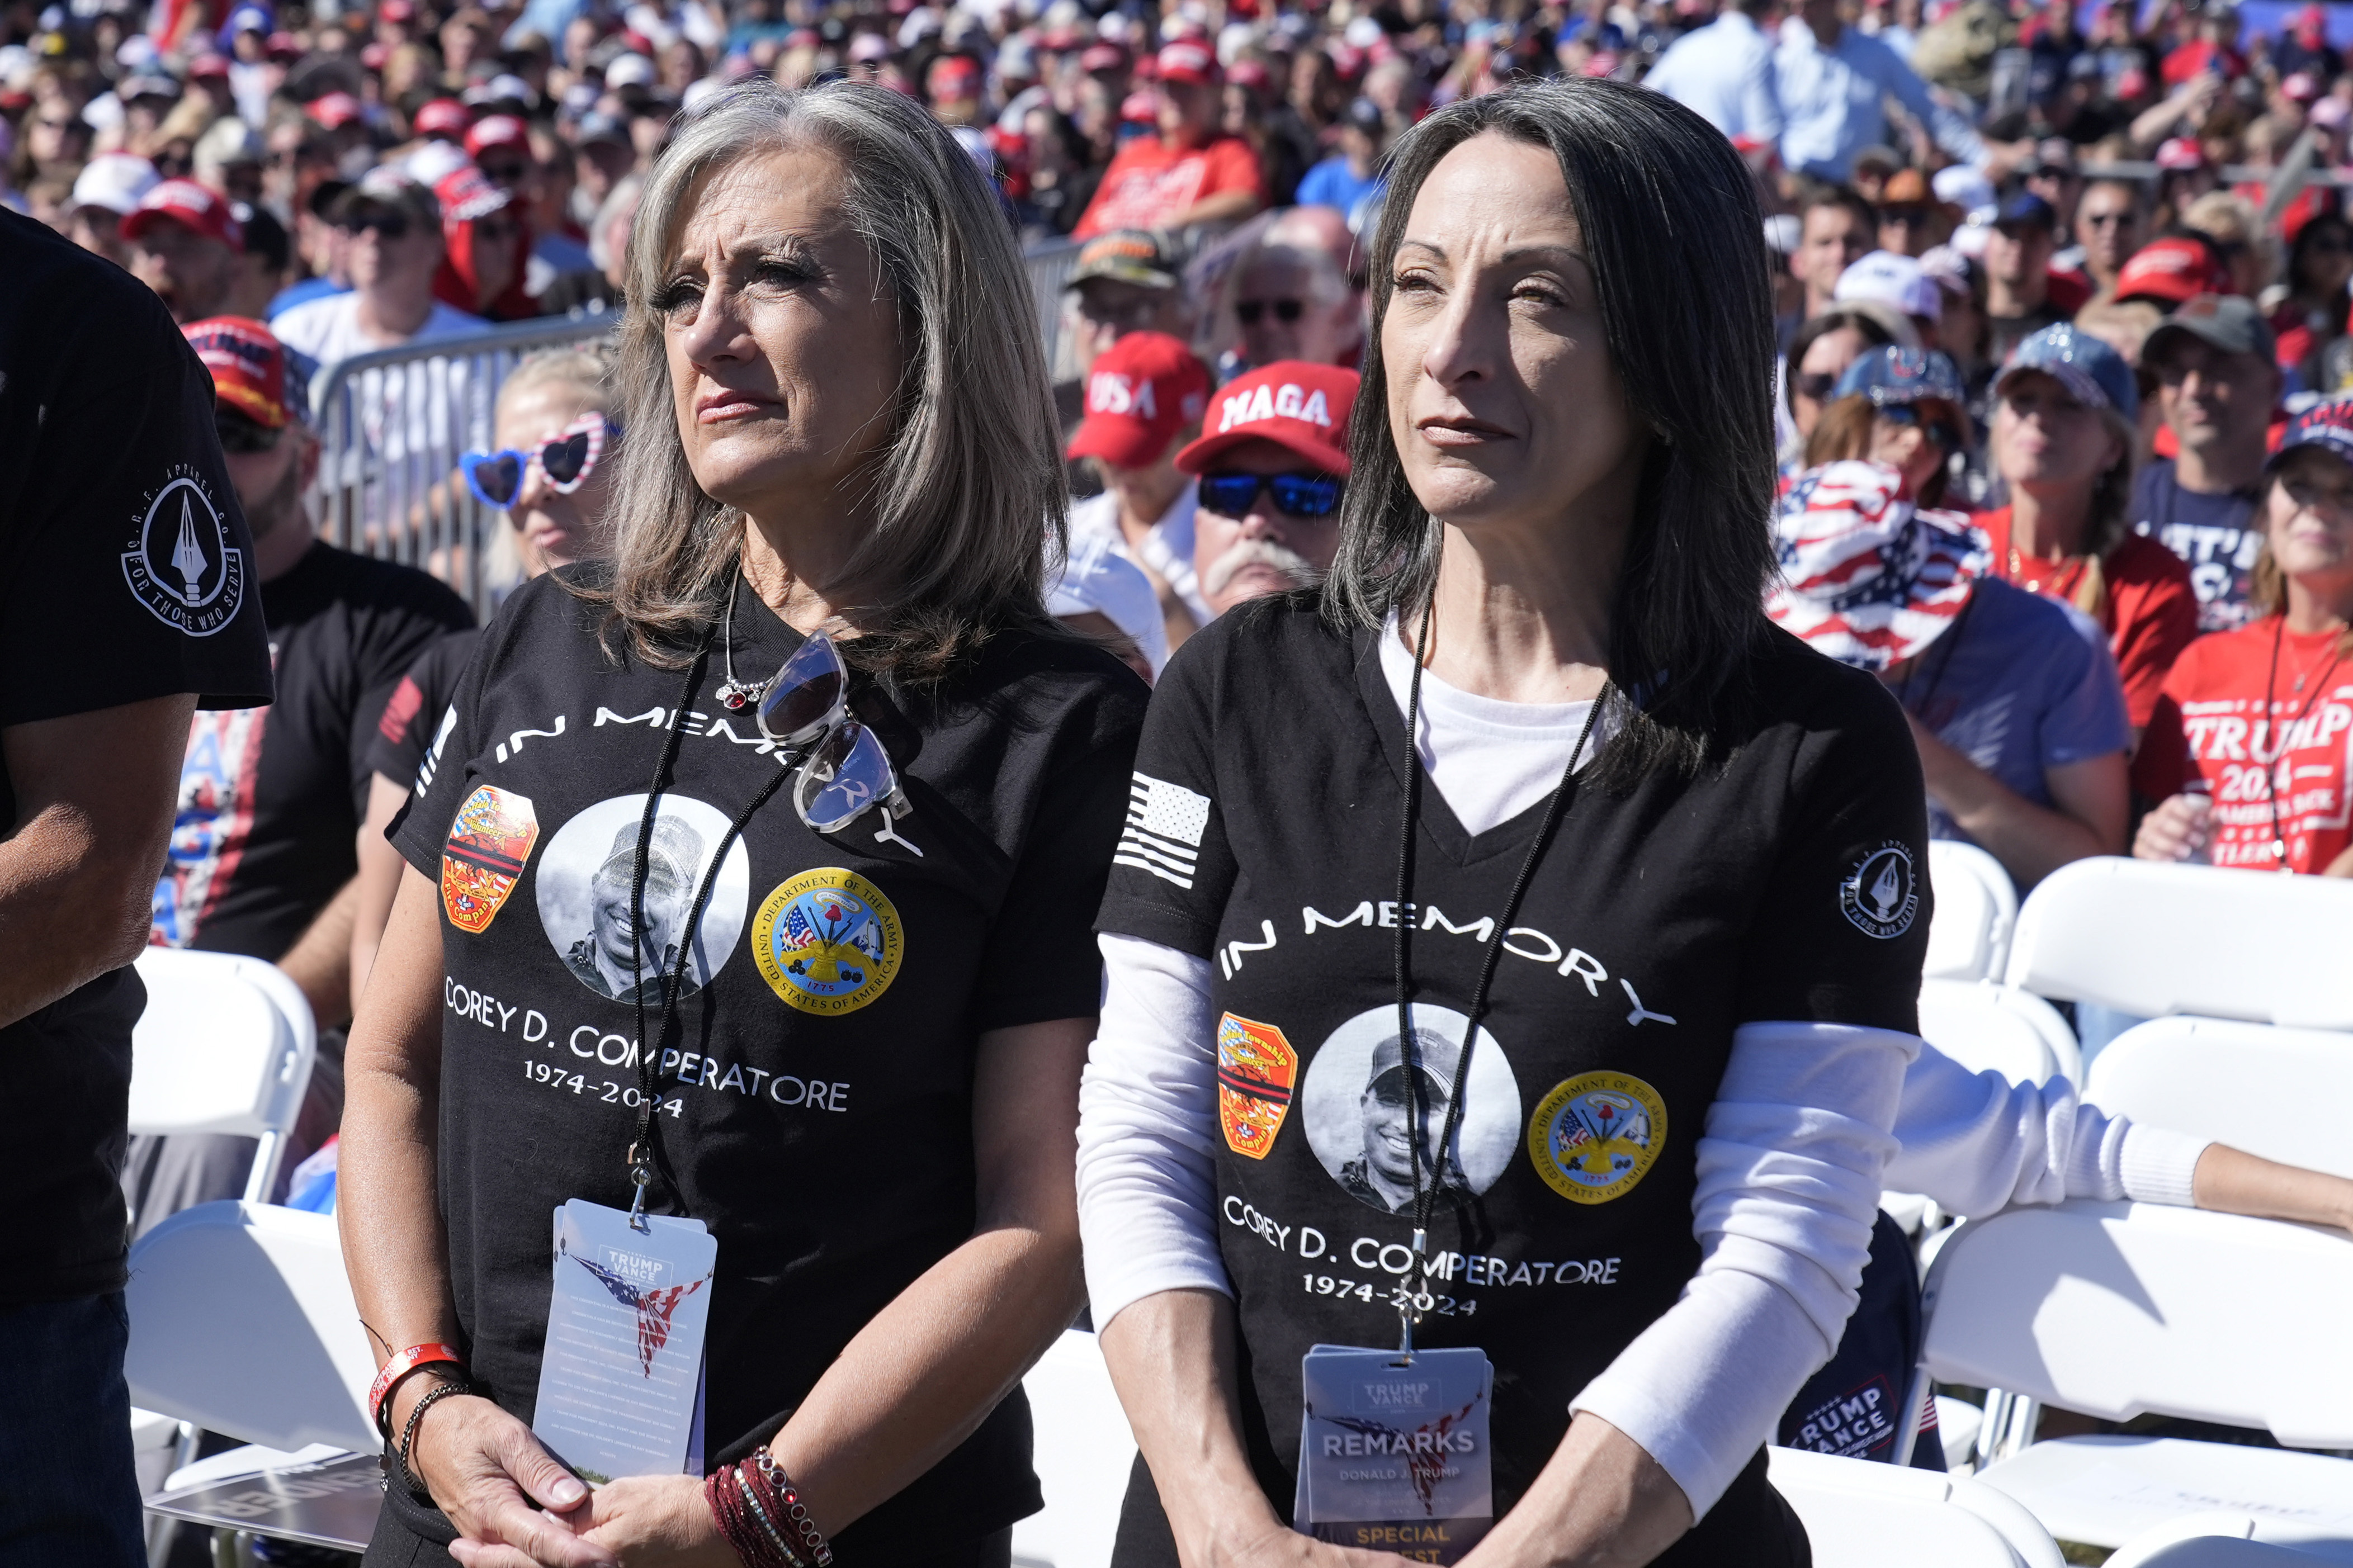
1144 389
253 373
188 203
2175 268
1189 62
496 131
1290 402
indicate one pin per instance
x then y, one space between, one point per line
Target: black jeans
70 1493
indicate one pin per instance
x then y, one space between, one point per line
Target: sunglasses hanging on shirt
567 459
804 708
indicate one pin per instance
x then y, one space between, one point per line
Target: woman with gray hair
825 586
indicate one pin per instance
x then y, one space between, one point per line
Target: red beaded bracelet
761 1516
399 1367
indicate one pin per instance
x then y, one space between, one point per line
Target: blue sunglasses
567 457
1300 495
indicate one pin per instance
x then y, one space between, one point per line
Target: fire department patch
483 857
1596 1135
1256 1070
827 942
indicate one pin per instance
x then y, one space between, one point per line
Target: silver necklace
737 695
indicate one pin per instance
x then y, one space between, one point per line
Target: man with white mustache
1273 463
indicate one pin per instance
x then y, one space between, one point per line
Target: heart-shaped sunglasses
567 457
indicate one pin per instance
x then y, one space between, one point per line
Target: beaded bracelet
761 1516
417 1413
752 1536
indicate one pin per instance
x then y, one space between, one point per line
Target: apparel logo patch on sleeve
1882 894
1256 1070
1596 1135
490 840
1163 835
180 566
827 942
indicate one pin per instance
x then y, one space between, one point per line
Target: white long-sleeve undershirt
1793 1155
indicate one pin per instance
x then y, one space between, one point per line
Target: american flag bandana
1868 577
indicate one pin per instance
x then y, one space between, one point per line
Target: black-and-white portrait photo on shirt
1358 1105
585 876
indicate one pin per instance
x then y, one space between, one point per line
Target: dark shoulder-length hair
1676 246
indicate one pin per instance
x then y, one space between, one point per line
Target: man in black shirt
262 855
129 602
2217 382
2018 273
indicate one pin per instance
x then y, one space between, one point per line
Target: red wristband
400 1366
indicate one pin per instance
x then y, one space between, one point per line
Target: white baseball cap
1893 279
115 181
629 70
1967 189
1098 579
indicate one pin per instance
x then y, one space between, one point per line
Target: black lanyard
1424 1195
649 1082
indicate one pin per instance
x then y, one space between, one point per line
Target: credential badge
1882 894
180 566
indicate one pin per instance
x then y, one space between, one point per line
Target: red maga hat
1291 403
251 371
189 204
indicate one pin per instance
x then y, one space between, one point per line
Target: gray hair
974 462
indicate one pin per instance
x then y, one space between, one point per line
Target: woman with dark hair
777 837
1818 357
1539 780
1902 408
2063 439
2312 317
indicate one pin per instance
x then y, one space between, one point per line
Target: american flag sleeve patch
1162 835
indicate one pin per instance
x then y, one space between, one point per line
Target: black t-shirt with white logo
819 1117
272 798
125 574
417 710
1263 832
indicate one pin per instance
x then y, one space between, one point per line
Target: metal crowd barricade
1050 263
392 426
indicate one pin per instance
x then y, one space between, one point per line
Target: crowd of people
2058 452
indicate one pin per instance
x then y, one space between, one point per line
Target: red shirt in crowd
2146 607
2209 737
1149 182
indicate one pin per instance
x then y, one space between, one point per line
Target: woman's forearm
927 1369
923 1374
2233 1181
2030 841
1600 1502
386 1203
1172 1359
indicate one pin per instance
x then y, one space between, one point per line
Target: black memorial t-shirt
125 574
272 798
1785 883
418 707
820 1120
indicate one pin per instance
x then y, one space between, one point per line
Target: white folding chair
225 1046
242 1321
2286 1094
1083 1452
2151 940
1982 1024
1859 1514
2209 1540
2117 1310
1976 910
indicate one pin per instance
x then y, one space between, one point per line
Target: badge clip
641 1176
1408 1313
